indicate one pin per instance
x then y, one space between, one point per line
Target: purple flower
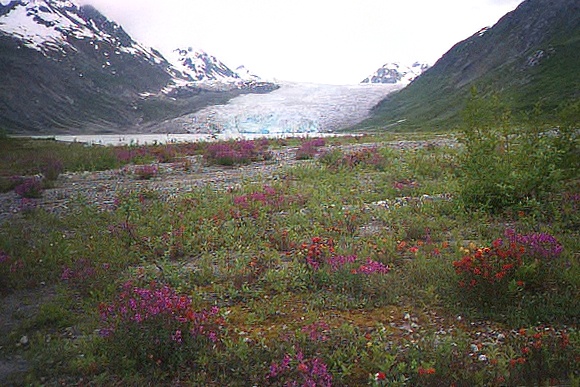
29 188
537 245
336 262
4 257
177 336
372 267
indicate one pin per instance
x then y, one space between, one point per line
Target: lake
148 139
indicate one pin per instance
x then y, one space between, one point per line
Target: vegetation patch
384 261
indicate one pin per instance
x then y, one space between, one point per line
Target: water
148 139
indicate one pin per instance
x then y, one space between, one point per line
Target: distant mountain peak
396 73
200 66
246 74
529 55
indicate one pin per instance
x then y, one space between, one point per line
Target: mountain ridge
67 68
526 57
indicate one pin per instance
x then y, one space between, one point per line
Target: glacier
293 108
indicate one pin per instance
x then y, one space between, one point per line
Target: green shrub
507 166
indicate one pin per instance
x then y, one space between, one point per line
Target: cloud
309 40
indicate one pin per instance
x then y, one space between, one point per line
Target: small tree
505 165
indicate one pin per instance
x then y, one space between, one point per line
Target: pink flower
177 336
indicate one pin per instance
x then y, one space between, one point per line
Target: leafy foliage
506 166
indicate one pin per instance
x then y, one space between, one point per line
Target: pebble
102 187
24 341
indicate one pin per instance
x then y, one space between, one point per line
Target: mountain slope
67 68
530 55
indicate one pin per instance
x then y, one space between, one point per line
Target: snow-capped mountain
396 73
246 74
66 67
59 25
202 67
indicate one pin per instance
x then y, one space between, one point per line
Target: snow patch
397 73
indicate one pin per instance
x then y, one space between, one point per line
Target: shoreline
173 138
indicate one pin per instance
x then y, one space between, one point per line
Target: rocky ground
101 188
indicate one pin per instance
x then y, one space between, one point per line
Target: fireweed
233 153
85 276
320 254
363 157
296 370
540 246
157 326
146 172
268 196
309 149
29 188
316 331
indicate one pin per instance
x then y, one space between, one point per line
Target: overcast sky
322 41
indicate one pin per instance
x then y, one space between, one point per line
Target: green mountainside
531 56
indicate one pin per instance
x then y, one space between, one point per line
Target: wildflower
372 267
426 371
29 188
380 376
177 336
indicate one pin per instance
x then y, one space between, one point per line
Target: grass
243 257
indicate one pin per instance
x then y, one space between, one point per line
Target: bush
309 149
504 166
516 261
146 172
29 188
155 328
234 153
51 168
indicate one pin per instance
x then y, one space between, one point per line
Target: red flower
302 368
380 376
426 371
